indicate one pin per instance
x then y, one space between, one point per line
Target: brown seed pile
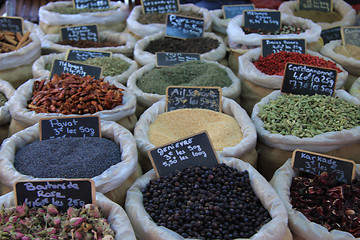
72 94
10 41
156 17
88 44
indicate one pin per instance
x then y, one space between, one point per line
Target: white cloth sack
143 57
355 89
49 43
147 99
321 143
343 8
51 22
229 107
299 225
143 30
38 68
350 64
219 24
145 228
238 36
8 90
116 216
27 117
109 180
248 71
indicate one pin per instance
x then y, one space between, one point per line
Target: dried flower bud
93 211
16 235
51 209
13 219
22 210
75 221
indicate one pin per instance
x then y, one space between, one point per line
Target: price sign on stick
82 126
12 24
178 26
191 151
270 46
160 6
167 59
316 163
351 35
230 11
82 55
77 33
92 4
178 97
266 20
317 5
330 34
308 80
62 193
82 70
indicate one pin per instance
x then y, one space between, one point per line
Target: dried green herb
72 10
192 73
112 66
3 99
308 116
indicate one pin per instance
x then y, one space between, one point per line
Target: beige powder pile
223 129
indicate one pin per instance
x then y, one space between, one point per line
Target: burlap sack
275 149
111 20
49 43
145 228
15 67
145 99
298 223
256 85
343 8
39 67
143 57
141 30
244 150
116 216
350 64
113 182
8 90
355 89
23 117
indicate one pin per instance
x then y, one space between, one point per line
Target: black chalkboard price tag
330 34
178 97
61 66
167 59
308 80
317 5
61 127
266 20
270 46
191 151
82 55
92 4
351 35
230 11
12 24
316 163
160 6
179 26
77 33
62 193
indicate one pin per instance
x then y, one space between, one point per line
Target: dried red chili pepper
324 201
274 64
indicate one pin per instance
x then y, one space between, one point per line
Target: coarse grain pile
206 203
348 51
72 10
72 94
67 157
318 16
284 29
10 41
156 17
89 44
223 129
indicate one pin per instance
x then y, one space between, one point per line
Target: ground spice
72 10
189 45
318 16
206 203
223 130
285 29
112 66
3 99
89 44
308 116
155 17
192 73
67 157
348 51
274 64
324 201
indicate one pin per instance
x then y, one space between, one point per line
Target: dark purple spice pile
206 203
326 202
67 157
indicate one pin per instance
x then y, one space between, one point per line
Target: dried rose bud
88 236
13 219
27 237
16 235
92 210
108 237
51 209
56 221
22 210
72 212
75 221
51 230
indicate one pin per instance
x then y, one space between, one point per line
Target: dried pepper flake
324 201
274 64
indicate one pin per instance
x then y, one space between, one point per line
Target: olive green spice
308 116
112 66
72 10
161 17
192 73
318 16
3 99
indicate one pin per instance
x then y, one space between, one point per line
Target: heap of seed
206 203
